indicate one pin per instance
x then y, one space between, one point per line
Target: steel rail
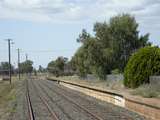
71 101
53 114
53 101
127 116
29 104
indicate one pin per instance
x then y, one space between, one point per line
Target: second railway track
95 117
50 111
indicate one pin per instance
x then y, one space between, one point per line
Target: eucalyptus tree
110 47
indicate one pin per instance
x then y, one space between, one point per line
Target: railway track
54 102
95 117
59 103
122 116
43 100
29 104
72 102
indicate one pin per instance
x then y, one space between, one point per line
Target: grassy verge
6 92
148 91
7 96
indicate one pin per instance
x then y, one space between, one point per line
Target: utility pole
9 57
18 50
26 56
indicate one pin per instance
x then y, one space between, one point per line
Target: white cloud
74 10
62 11
48 10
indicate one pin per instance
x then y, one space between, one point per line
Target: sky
46 29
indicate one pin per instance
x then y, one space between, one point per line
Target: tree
83 36
95 57
141 65
41 69
4 67
80 62
57 67
51 67
120 38
26 67
60 63
110 47
35 71
125 38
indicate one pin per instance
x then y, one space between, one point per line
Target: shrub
142 64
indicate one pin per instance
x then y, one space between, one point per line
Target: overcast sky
39 27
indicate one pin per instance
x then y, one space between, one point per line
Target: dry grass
102 84
7 96
148 91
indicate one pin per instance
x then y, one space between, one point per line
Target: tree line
109 48
60 66
25 67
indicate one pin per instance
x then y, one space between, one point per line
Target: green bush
144 63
